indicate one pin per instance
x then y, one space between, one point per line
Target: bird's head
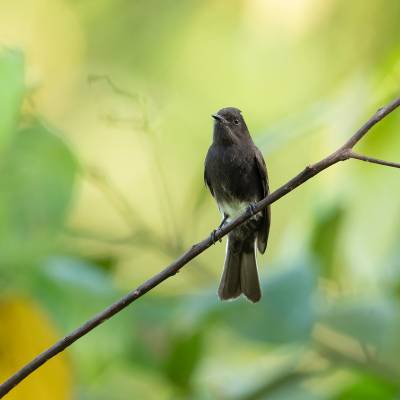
229 125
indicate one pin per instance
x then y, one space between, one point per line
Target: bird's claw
214 239
252 208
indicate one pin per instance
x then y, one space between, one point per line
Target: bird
236 175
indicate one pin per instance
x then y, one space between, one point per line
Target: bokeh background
104 124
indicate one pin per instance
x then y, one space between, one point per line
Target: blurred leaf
74 290
184 356
290 392
202 308
12 88
325 238
285 312
370 321
285 384
122 383
156 318
152 322
368 388
106 262
37 181
158 309
26 331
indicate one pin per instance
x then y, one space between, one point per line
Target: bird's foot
215 231
223 221
214 238
252 207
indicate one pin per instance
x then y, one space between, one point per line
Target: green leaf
183 358
37 178
371 321
11 93
325 237
368 388
285 312
71 289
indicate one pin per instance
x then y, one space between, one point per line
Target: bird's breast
232 208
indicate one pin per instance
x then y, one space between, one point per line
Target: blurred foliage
12 87
369 388
324 238
104 124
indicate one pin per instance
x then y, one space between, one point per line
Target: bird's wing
206 179
208 183
262 236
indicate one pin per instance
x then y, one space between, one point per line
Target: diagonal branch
342 154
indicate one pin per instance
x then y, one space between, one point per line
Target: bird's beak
218 118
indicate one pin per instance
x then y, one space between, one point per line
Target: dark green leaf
185 353
325 236
368 388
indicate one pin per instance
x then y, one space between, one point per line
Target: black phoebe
236 175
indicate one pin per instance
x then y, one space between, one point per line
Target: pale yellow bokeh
292 17
49 34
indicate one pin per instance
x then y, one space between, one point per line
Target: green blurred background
104 124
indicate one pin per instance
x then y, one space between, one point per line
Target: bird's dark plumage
236 175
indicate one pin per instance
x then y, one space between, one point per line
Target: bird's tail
240 273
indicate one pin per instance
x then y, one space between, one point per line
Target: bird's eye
236 122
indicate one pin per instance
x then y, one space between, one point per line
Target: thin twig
93 78
165 200
343 153
136 224
374 160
